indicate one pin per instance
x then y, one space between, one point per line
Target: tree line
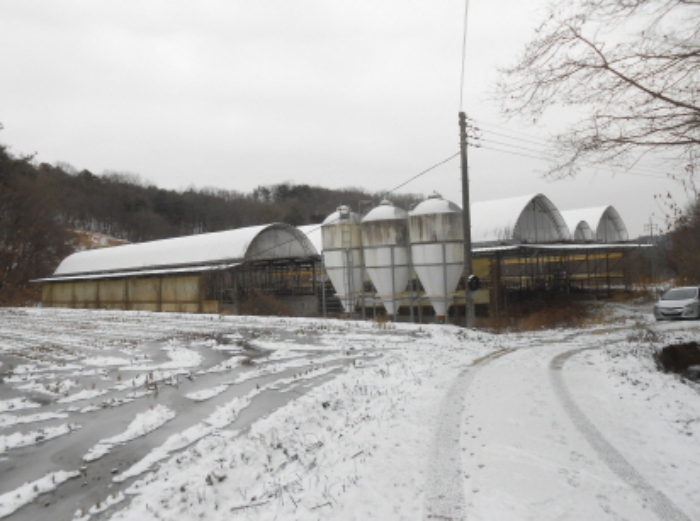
42 205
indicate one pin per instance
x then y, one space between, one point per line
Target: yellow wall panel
46 293
481 267
144 306
112 290
210 306
112 305
63 292
85 291
180 307
181 289
144 290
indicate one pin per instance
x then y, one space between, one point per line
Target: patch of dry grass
264 304
540 315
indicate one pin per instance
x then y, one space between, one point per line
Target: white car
678 303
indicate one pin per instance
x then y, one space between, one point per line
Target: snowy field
145 416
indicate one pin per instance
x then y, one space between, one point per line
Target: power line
510 131
510 152
512 145
421 174
430 169
464 54
545 158
540 142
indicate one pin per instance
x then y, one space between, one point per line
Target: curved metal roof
582 232
605 223
524 219
435 204
342 214
386 211
270 241
313 233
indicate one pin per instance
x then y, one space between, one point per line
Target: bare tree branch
631 68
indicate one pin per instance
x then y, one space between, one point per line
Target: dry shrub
638 295
678 358
264 304
537 315
20 297
381 319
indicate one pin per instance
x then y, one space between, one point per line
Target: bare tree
630 69
32 239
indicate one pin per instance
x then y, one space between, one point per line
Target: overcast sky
235 94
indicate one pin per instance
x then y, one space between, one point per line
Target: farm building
411 264
208 273
601 224
404 264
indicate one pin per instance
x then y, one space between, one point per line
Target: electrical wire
430 169
527 136
464 55
642 172
528 149
545 158
533 140
421 174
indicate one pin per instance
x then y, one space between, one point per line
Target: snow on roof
435 204
582 232
270 241
313 233
584 247
579 248
386 211
604 222
342 214
524 219
140 273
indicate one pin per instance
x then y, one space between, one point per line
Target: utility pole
466 222
650 228
652 255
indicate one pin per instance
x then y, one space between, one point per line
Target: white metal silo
342 255
385 245
437 249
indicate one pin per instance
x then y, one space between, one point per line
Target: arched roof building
313 233
210 273
518 220
599 224
271 241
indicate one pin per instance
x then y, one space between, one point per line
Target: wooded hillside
42 205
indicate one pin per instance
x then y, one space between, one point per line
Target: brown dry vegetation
263 304
678 358
85 240
540 314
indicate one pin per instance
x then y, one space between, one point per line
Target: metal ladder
346 244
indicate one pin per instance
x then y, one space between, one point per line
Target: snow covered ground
126 415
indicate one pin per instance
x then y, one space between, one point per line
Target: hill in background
46 212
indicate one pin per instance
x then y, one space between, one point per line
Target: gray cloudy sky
239 93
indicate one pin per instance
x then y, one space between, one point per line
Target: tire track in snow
444 497
656 500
